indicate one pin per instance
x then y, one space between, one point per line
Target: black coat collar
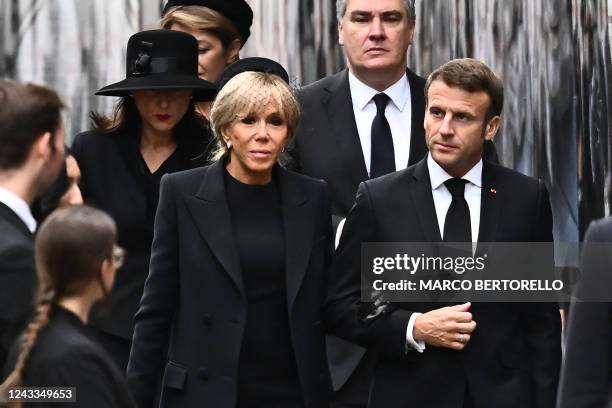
339 106
210 212
423 202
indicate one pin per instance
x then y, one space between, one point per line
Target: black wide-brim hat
255 64
237 11
162 60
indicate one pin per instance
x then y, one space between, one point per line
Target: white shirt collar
19 207
362 94
438 175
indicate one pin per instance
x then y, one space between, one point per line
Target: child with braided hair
76 260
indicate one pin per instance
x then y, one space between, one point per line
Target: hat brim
202 90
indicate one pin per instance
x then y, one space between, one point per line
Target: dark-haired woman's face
161 110
73 195
212 55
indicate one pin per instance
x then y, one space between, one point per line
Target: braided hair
69 249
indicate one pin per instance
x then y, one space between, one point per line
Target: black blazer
586 377
514 355
112 180
194 296
17 278
65 356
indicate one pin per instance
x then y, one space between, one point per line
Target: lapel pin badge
494 191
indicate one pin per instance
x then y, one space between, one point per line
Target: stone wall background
554 57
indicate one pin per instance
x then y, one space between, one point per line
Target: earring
229 145
283 149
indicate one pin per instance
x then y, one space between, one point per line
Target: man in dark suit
31 156
434 356
361 123
586 377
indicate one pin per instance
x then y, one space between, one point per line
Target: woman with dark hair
76 259
155 131
232 304
222 27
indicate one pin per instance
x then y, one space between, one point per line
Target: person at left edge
238 265
76 261
155 131
31 156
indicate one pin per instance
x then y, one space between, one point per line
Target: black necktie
382 159
457 226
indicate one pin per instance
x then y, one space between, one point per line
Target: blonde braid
45 303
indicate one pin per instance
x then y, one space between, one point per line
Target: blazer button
203 373
317 326
206 319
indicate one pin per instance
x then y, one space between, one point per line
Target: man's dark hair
471 75
26 112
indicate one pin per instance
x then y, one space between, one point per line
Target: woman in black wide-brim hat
232 307
154 131
222 27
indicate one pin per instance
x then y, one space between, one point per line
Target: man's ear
107 274
42 145
340 34
492 127
412 26
233 50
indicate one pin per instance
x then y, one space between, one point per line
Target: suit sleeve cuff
411 343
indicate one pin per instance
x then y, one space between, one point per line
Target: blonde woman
238 267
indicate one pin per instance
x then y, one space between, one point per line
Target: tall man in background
31 156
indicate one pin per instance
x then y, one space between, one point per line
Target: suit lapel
339 107
129 152
210 212
418 147
489 205
422 199
13 219
299 228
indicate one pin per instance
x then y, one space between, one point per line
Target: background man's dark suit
586 379
514 354
194 296
17 278
327 146
327 143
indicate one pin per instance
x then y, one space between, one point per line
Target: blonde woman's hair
203 19
249 93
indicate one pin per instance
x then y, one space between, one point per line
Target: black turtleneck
267 369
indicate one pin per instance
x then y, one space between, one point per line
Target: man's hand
448 327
